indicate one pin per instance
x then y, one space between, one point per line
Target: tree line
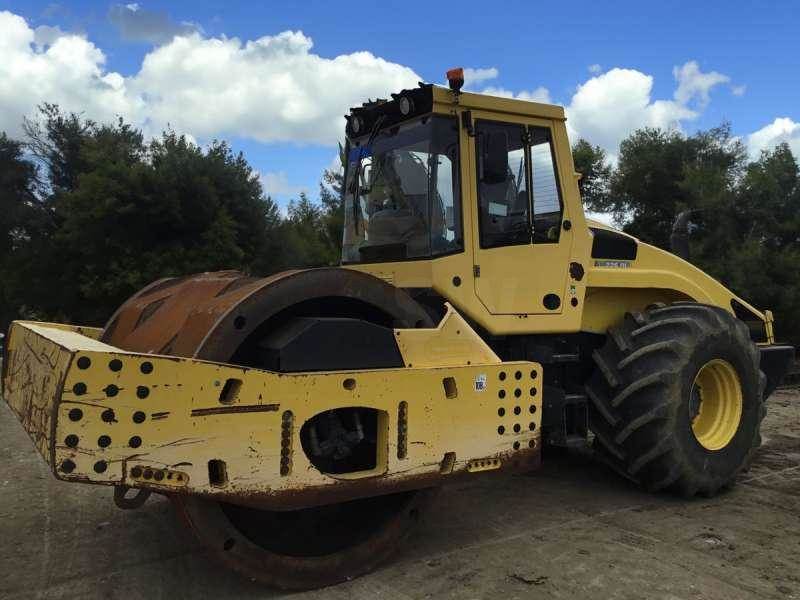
91 212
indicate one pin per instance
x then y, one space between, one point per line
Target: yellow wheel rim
716 400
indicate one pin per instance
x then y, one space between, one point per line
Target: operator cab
403 188
401 193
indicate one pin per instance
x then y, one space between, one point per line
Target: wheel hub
716 404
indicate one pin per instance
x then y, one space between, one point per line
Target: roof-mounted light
406 105
455 79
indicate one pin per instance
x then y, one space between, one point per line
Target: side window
502 184
547 206
445 218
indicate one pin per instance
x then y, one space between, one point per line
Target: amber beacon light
455 79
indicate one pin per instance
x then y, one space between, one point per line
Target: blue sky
614 65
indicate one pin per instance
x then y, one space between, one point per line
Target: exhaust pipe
679 239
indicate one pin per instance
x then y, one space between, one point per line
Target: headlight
406 105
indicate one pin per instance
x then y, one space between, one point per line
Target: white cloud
781 130
277 184
611 105
270 89
68 71
738 90
540 94
45 35
607 108
273 89
694 84
473 77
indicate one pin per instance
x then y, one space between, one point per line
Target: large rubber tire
641 397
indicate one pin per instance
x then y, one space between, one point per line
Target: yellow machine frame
98 414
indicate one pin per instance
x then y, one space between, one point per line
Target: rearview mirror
495 157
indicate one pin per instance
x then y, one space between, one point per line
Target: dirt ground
571 530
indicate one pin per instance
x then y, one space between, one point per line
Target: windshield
405 202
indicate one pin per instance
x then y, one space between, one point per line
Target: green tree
759 260
661 173
127 212
330 195
21 216
307 236
592 163
56 141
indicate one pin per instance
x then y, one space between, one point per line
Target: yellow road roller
301 423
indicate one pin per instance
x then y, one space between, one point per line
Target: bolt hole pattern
517 428
534 375
349 384
84 362
111 390
142 392
516 445
501 394
100 466
518 375
533 408
135 441
501 412
533 391
67 466
76 414
287 424
104 441
139 417
502 375
517 410
402 430
146 368
532 426
501 430
517 393
115 365
79 389
71 440
136 471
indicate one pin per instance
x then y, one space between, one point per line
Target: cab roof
429 98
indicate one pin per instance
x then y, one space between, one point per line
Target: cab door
521 246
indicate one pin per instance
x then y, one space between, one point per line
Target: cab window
547 207
502 184
516 173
